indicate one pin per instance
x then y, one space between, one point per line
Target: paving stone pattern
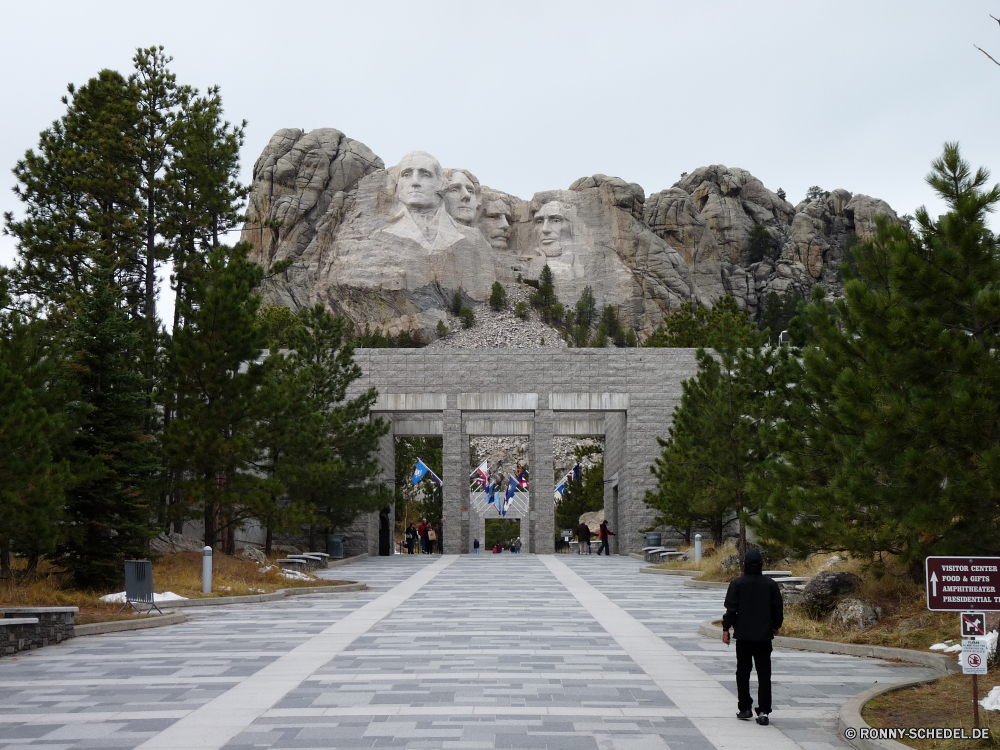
492 652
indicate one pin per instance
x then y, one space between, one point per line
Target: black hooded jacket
753 603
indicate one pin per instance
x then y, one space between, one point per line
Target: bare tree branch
985 52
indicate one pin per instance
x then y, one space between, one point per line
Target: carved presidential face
420 181
495 224
551 228
460 198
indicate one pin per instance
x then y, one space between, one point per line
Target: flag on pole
576 471
490 494
422 470
522 476
561 485
481 474
511 489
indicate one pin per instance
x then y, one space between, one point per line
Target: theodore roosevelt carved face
495 223
420 181
461 196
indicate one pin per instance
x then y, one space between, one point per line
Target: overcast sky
532 95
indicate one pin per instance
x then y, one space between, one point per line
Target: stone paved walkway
443 652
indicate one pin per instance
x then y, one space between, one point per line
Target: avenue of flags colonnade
498 486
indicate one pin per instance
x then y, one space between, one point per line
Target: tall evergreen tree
912 373
219 380
108 514
79 193
343 477
35 423
716 441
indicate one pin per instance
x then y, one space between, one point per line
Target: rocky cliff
390 247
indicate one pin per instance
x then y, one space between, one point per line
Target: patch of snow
992 701
166 596
953 649
296 575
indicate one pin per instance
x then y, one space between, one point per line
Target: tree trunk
229 535
5 561
210 527
741 545
268 540
178 503
312 537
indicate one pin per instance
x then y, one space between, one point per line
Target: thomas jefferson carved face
495 224
420 181
552 228
461 197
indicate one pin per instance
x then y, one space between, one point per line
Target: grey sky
532 95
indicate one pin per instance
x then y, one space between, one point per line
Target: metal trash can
335 546
139 586
653 538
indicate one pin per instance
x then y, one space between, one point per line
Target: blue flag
422 470
511 489
576 471
490 497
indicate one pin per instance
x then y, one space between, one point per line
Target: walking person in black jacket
755 609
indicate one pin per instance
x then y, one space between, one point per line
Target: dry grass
904 620
946 702
180 573
711 565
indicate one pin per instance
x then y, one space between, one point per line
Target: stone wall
55 624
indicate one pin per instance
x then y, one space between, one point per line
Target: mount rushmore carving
390 247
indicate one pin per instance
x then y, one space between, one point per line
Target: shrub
468 317
521 310
498 297
442 329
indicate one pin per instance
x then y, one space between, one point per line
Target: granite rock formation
390 247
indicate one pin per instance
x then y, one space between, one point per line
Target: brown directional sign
957 584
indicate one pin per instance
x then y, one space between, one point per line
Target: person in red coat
606 535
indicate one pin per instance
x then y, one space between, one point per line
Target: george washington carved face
420 180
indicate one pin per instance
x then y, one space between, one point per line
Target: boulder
593 520
253 553
861 212
853 614
822 592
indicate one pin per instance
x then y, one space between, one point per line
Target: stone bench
791 580
313 561
777 573
653 555
292 563
26 628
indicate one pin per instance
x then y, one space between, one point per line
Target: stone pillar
616 459
455 479
542 527
387 461
477 530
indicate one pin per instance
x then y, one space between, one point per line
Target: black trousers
750 654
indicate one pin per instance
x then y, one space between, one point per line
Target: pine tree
716 441
693 325
586 308
79 190
343 477
108 513
36 421
219 379
498 297
912 374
